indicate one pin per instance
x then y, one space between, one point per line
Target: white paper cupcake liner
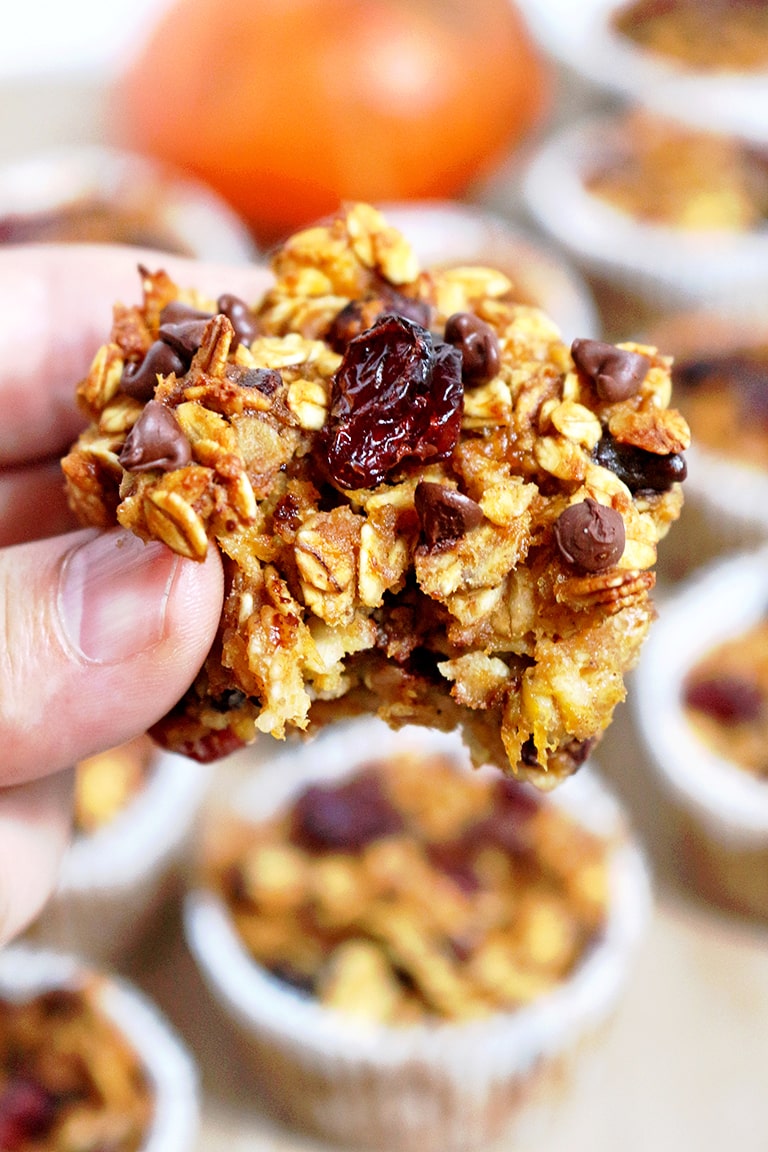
667 267
114 880
729 804
27 971
443 1086
195 219
580 36
449 232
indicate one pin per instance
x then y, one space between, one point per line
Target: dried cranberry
638 469
27 1111
454 859
396 398
727 699
344 817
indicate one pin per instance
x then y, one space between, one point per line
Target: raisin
727 699
344 817
396 398
27 1111
641 471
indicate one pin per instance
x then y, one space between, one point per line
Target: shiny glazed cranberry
396 398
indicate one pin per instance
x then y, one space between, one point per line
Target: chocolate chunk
726 698
184 337
155 441
616 373
640 470
445 515
590 535
140 379
178 313
478 344
240 317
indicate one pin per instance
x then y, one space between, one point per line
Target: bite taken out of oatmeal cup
429 507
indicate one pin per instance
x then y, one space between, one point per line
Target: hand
100 634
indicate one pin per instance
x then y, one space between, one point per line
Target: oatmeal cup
447 234
703 62
96 194
88 1062
701 701
438 949
720 383
135 810
675 216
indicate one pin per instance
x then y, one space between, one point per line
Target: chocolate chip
155 441
240 317
178 313
140 379
726 698
445 515
590 535
641 471
478 344
616 373
184 337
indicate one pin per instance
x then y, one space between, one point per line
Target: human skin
100 633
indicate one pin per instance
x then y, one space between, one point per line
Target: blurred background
613 160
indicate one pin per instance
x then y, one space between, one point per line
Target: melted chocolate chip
140 379
478 344
590 535
344 817
616 373
727 699
185 337
240 317
229 700
155 441
359 315
178 313
445 515
641 471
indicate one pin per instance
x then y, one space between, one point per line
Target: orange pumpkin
287 107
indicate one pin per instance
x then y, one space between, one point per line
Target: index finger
56 310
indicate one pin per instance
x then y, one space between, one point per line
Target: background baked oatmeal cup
422 1086
682 263
720 809
115 879
171 1077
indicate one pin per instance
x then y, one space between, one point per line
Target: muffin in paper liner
726 494
720 809
27 971
445 233
443 1086
93 193
584 38
663 266
113 881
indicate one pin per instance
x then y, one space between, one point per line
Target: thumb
103 634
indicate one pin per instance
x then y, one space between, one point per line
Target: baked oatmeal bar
428 506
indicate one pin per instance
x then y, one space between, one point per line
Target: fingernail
113 596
